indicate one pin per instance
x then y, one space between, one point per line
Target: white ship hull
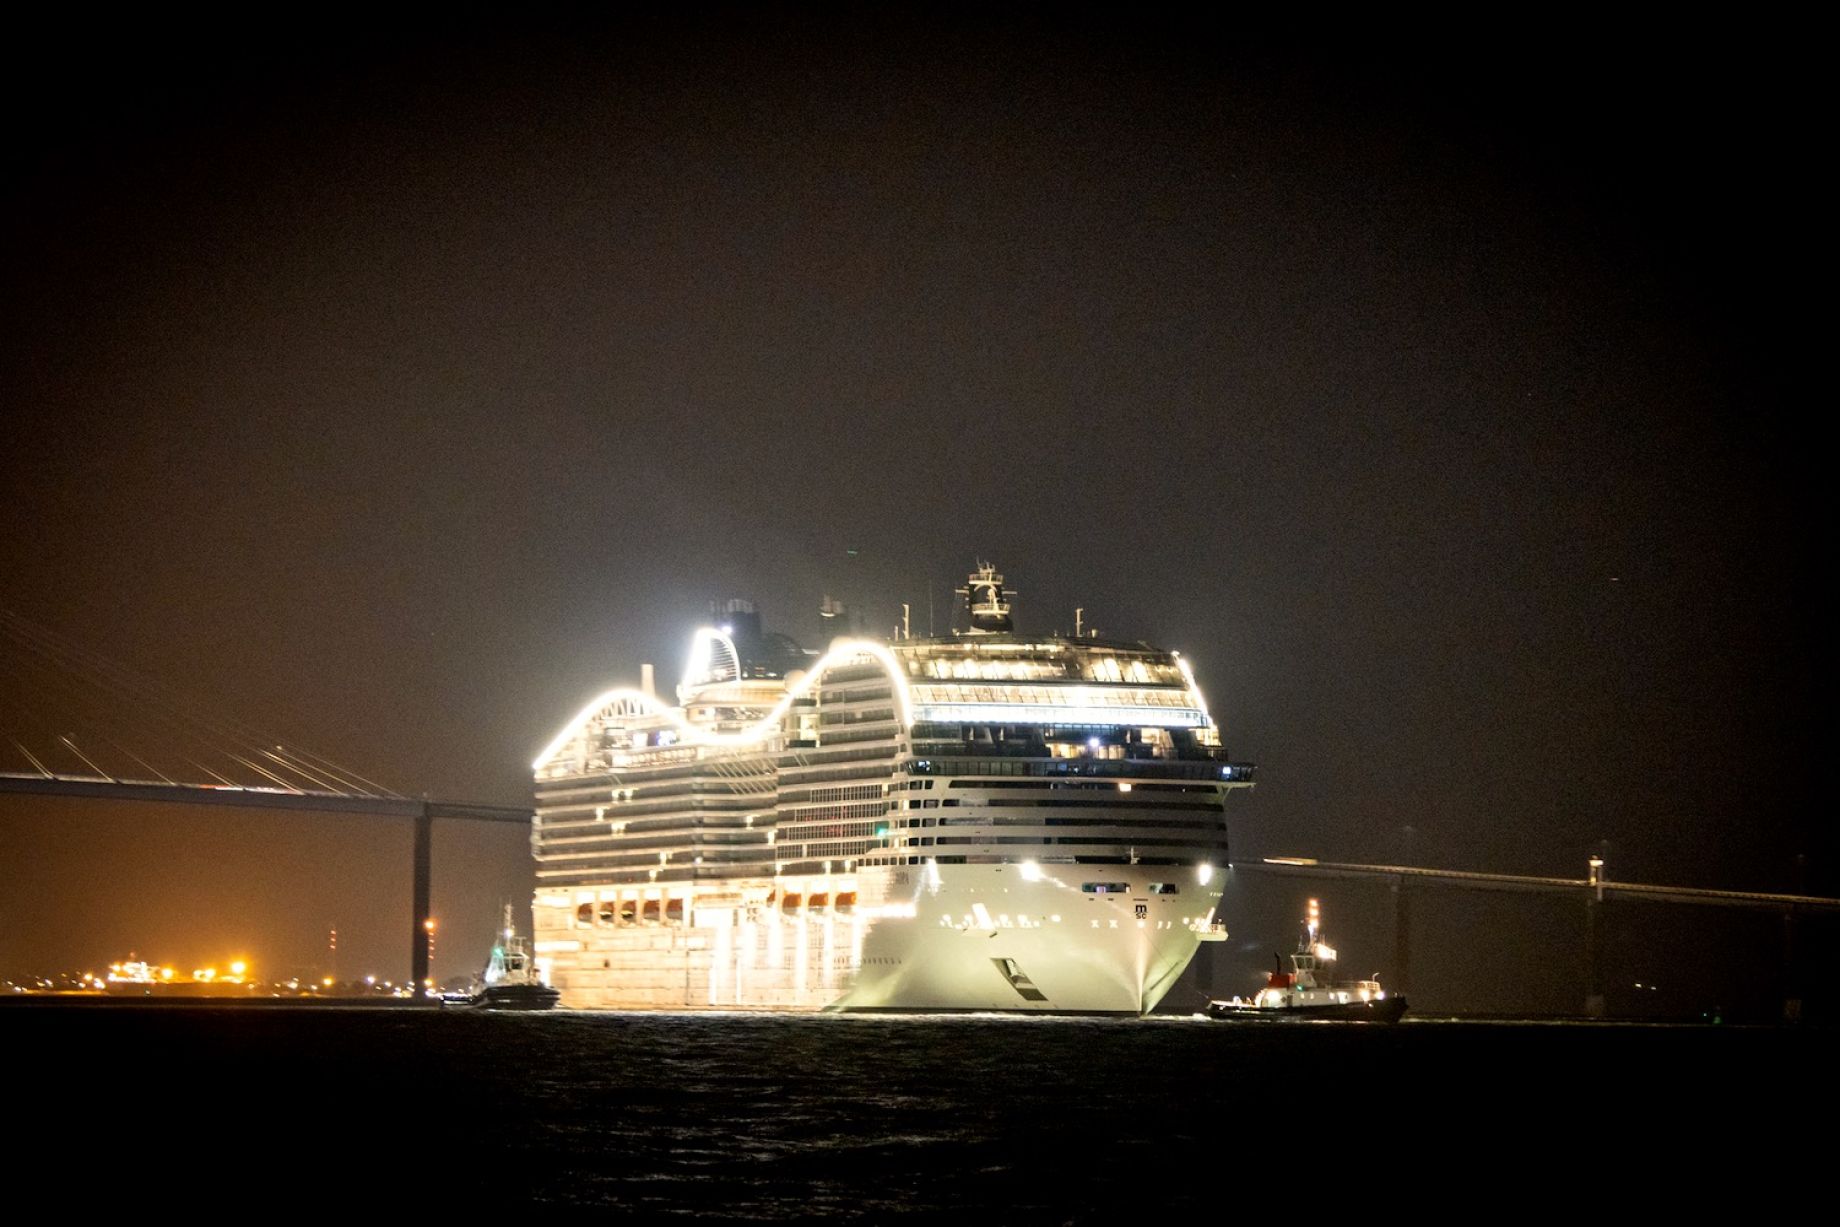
927 938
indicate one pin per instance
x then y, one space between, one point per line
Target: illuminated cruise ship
981 821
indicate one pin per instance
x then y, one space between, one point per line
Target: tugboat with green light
1302 994
510 980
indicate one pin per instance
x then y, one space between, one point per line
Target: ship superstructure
987 820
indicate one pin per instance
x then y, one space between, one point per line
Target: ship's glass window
584 915
1105 888
1164 888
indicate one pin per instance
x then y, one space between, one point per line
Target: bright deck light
841 652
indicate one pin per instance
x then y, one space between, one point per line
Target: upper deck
808 760
987 690
1048 680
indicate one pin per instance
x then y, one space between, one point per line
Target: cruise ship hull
1003 937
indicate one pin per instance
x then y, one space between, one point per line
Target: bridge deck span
421 811
259 798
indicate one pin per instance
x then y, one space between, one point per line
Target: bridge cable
65 663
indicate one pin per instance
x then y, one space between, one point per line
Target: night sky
398 392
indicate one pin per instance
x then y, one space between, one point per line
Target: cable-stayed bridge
74 723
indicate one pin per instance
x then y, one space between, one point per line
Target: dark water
867 1119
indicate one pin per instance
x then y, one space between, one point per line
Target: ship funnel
986 601
648 680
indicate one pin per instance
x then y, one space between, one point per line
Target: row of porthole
609 913
630 912
793 901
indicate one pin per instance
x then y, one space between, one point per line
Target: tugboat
1303 994
510 980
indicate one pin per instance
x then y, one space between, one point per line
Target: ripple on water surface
750 1116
